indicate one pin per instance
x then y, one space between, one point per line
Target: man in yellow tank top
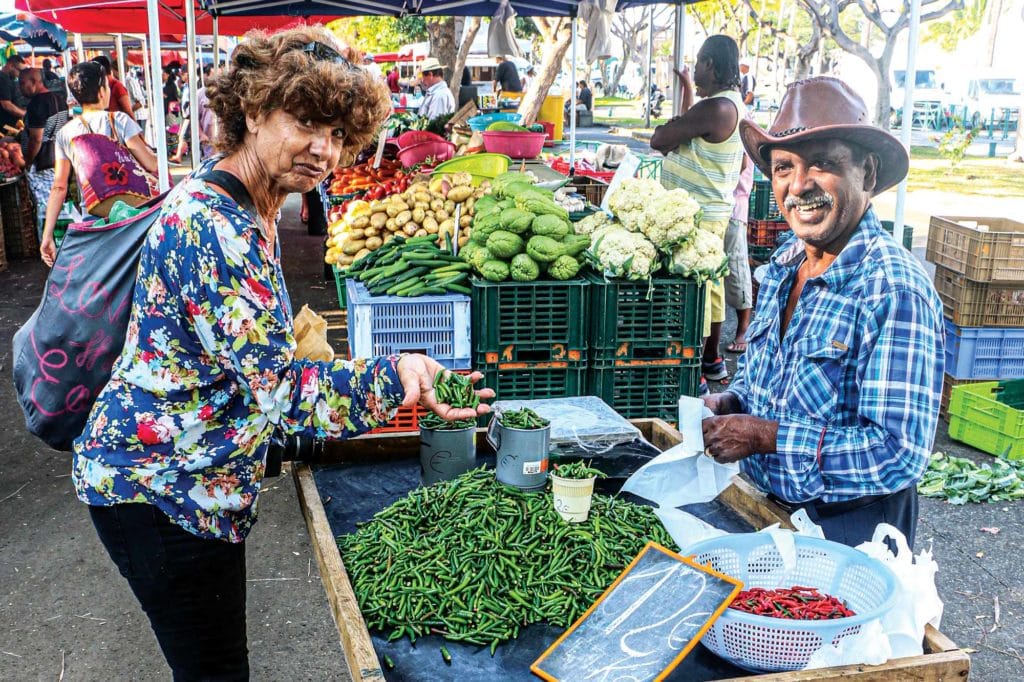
703 155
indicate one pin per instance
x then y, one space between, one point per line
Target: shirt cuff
796 467
742 401
387 385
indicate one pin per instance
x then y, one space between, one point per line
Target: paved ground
63 605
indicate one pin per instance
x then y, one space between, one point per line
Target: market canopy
32 30
461 8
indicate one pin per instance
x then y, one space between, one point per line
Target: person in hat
834 407
747 83
438 99
372 66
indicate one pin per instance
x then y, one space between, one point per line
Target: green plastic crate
644 390
908 233
761 254
762 202
529 322
521 381
339 282
977 418
641 321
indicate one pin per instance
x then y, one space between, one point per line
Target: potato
356 234
463 239
345 259
430 225
467 208
361 222
422 205
460 194
391 225
418 187
374 243
441 215
437 205
388 237
418 214
371 232
396 207
402 218
447 227
378 220
465 221
410 229
449 206
363 252
378 207
353 246
421 197
421 233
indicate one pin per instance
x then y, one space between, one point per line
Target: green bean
524 418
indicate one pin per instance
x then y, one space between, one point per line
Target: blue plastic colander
763 644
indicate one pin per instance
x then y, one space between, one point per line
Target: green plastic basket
647 322
977 418
908 233
529 322
483 166
339 282
649 390
532 381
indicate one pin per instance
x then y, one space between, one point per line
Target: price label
532 468
381 141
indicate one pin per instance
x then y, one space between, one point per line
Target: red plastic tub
516 145
411 137
418 153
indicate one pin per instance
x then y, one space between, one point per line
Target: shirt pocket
816 378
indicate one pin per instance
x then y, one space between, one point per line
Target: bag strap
113 129
233 186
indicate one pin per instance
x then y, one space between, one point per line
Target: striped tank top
708 170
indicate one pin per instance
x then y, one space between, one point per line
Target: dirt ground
64 608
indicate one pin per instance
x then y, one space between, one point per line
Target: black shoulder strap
232 186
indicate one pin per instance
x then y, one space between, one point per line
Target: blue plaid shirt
856 382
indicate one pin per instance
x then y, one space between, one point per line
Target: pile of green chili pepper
523 418
958 480
795 603
474 561
457 391
577 470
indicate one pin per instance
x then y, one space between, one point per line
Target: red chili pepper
799 603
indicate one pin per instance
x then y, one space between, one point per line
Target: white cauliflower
591 223
703 257
671 219
619 252
630 198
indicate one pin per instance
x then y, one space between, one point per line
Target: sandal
736 347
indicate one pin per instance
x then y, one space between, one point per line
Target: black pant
853 522
192 589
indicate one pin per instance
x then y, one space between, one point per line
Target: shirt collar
436 86
848 260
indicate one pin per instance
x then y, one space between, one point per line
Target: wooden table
942 660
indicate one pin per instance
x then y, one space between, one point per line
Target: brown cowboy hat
826 108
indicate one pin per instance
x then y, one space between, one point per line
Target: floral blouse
208 370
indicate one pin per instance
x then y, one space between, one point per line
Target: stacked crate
979 275
645 343
19 219
529 338
766 229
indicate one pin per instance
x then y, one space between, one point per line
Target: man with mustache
834 406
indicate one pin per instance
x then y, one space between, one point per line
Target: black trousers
192 589
853 522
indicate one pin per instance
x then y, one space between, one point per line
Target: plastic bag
918 603
584 425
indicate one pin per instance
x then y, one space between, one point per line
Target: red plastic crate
408 418
765 232
562 166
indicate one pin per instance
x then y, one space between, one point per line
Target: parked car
930 98
993 99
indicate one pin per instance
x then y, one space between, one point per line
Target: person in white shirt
373 67
438 99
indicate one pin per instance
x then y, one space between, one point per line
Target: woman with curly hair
171 460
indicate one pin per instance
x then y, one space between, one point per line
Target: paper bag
311 337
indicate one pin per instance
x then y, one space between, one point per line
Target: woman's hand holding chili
417 373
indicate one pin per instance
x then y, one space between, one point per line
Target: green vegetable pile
519 232
959 480
457 391
473 560
577 470
524 418
411 267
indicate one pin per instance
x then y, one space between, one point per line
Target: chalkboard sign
644 624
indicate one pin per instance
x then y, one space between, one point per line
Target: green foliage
960 25
380 34
954 143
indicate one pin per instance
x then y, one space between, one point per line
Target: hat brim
893 159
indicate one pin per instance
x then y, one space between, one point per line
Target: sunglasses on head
325 53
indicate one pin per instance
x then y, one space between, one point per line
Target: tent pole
216 43
908 112
156 115
78 48
677 59
119 50
572 97
648 81
193 80
67 67
147 78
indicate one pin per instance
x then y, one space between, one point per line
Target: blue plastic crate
438 326
984 352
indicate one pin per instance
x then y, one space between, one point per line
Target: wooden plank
753 505
355 637
942 667
936 642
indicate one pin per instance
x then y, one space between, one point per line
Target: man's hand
48 250
730 438
722 403
684 75
417 372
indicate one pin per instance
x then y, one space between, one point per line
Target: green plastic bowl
483 166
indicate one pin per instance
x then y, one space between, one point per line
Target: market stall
336 495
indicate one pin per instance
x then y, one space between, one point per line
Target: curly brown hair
272 71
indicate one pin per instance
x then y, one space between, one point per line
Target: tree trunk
443 42
883 105
995 11
460 58
557 36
